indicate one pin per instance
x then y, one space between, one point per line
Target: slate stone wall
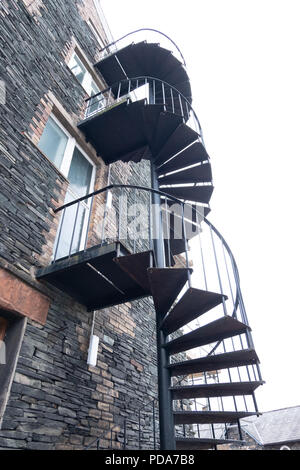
56 400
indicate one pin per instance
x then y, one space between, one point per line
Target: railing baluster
163 94
119 90
88 223
187 111
74 228
59 234
181 108
185 244
168 233
218 271
202 259
172 100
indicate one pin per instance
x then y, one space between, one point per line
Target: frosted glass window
53 142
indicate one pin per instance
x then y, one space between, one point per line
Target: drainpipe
166 419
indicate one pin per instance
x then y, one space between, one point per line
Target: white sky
243 61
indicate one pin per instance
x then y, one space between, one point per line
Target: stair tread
214 362
191 155
190 193
207 417
197 174
193 303
214 390
193 443
181 138
222 328
173 280
167 123
136 265
144 59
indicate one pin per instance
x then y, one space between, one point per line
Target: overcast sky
243 61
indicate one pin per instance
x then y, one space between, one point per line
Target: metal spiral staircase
146 113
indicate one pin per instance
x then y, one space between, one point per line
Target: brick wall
56 400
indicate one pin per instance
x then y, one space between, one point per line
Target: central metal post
166 420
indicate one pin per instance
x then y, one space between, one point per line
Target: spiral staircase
162 127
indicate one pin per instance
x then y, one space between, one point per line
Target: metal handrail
183 205
145 79
146 29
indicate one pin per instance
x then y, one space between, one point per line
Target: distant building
274 430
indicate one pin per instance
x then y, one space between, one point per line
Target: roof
274 427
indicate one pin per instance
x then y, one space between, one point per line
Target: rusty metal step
193 303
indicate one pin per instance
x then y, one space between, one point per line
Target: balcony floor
93 278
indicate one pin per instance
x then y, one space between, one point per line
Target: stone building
61 288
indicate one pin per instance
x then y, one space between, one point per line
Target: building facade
61 261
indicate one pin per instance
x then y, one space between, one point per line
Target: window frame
65 168
88 79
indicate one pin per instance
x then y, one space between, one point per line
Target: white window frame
87 78
65 168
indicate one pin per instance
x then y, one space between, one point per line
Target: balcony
134 118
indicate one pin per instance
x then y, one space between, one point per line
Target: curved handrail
113 186
147 79
237 300
182 204
146 29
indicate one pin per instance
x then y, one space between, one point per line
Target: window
53 142
61 148
82 75
96 34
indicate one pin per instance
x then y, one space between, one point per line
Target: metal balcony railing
152 91
150 35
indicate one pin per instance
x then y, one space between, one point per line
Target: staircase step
186 443
145 59
166 284
239 358
136 266
217 330
214 390
197 174
150 118
210 417
181 138
191 155
177 246
166 125
193 303
190 193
